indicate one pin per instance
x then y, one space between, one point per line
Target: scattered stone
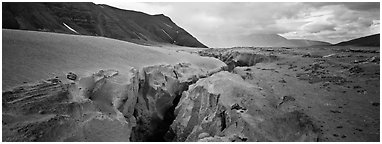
286 99
282 81
356 87
306 55
54 80
335 111
363 51
329 55
375 103
71 76
237 107
203 135
41 112
358 129
356 69
362 91
374 59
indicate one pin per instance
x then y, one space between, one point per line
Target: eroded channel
156 103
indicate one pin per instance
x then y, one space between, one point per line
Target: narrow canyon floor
261 94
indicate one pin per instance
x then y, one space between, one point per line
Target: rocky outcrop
94 108
160 89
106 106
223 107
181 102
238 57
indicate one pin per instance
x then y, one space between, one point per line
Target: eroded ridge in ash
107 106
225 108
157 103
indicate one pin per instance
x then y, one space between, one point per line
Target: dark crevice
159 134
223 120
151 128
160 130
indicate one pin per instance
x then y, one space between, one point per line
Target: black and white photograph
190 71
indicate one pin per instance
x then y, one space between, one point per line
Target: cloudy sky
330 22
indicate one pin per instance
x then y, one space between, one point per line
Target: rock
335 111
375 104
306 55
362 50
54 80
71 76
111 98
238 56
203 135
106 106
374 59
41 112
161 87
286 99
237 107
210 106
214 139
282 81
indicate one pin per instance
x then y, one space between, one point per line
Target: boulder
161 87
223 107
71 76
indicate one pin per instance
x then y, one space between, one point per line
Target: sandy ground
44 105
30 56
337 86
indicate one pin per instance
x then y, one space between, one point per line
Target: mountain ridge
96 20
309 42
265 40
370 40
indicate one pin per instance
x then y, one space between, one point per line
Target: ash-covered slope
304 42
120 91
96 20
263 40
86 88
372 40
30 56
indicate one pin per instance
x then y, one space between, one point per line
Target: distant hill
303 42
268 40
265 40
372 40
96 20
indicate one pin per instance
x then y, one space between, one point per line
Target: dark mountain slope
372 40
96 20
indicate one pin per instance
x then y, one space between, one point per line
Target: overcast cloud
330 22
